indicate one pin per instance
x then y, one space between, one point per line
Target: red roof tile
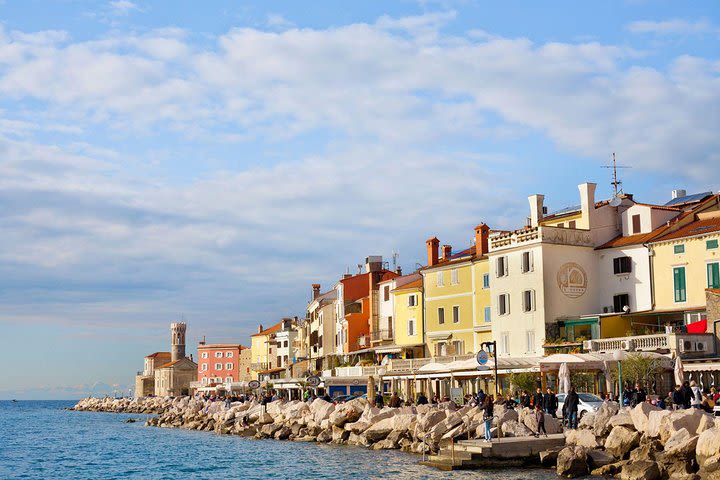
696 228
269 330
158 354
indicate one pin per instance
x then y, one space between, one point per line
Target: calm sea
41 440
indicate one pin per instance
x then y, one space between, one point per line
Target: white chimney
536 208
587 201
678 193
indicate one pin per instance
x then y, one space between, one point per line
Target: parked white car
588 403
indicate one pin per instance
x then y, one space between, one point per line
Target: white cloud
278 21
676 26
123 7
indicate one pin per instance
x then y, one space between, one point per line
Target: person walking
487 407
687 394
638 396
550 402
379 400
525 399
540 416
422 399
572 402
696 400
678 399
395 401
538 398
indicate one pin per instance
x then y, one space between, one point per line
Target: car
716 410
587 403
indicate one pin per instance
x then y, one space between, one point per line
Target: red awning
697 327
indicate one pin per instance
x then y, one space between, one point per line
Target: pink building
221 363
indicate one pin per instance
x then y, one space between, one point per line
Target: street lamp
619 356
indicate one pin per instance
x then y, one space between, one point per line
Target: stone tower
177 351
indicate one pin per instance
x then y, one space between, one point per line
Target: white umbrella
679 372
564 378
608 377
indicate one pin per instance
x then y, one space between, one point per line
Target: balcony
684 344
196 384
381 335
358 371
398 365
363 341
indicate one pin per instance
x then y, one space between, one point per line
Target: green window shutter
711 244
713 275
679 283
679 248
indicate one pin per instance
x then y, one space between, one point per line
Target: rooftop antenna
359 265
616 184
395 256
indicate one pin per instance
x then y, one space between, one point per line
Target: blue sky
169 159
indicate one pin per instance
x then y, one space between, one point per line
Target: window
439 279
228 379
218 354
285 344
571 224
530 337
501 269
228 354
441 315
504 304
412 300
456 314
457 347
204 381
411 327
713 275
218 366
526 264
505 343
528 300
620 301
711 244
454 280
679 248
203 367
228 366
488 314
636 224
441 349
486 280
386 293
622 265
561 225
203 355
679 284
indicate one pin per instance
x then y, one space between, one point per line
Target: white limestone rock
688 419
640 414
681 444
708 445
572 462
621 440
583 438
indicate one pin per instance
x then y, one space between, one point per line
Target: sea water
42 440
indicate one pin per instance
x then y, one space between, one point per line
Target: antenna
395 256
617 184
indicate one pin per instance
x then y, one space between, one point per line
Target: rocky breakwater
412 429
644 442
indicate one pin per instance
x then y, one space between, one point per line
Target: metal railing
380 335
687 343
363 341
397 365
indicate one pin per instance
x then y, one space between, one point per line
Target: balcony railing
363 341
359 371
380 335
397 365
687 344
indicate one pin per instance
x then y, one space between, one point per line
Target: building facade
220 363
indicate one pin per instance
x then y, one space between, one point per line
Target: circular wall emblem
572 280
254 384
313 381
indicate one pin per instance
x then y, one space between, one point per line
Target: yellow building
685 263
263 350
455 300
408 316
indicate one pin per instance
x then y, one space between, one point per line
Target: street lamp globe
619 355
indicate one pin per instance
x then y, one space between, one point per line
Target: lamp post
619 356
493 344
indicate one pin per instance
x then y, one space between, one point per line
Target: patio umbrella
564 378
608 377
679 372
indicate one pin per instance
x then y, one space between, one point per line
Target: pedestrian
550 402
488 417
540 416
379 401
697 397
638 396
572 402
481 397
678 398
538 398
395 401
422 399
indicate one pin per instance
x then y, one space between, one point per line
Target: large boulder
321 410
599 458
587 420
602 417
622 419
346 412
688 419
708 445
682 444
640 415
621 440
511 428
706 423
641 470
380 430
403 422
552 425
572 462
429 420
655 420
583 438
502 415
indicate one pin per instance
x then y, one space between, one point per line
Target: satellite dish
615 202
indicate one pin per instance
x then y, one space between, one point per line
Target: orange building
221 363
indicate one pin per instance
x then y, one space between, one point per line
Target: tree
642 369
525 381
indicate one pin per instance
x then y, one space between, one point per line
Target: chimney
536 209
315 290
202 342
482 232
432 251
347 275
446 251
260 328
587 202
678 193
373 263
398 270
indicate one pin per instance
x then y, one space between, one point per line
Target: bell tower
177 331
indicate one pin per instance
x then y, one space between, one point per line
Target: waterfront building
145 380
407 317
263 350
221 363
284 339
321 325
174 378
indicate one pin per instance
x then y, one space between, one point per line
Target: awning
697 327
701 366
388 349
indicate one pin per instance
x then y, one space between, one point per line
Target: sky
209 161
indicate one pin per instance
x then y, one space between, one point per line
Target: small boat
14 401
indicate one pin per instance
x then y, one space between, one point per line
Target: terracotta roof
158 354
696 228
405 279
170 364
410 286
269 330
222 345
637 239
660 207
715 291
272 370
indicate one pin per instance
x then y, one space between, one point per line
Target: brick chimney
260 328
398 270
315 290
432 251
446 252
482 232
